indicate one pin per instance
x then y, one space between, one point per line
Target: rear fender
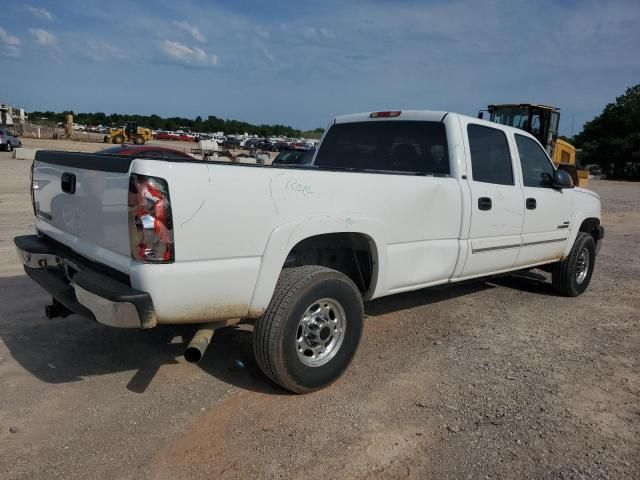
283 238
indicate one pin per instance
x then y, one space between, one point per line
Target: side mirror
561 179
480 114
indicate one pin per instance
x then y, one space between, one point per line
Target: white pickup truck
392 201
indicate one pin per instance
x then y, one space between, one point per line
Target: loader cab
131 128
541 121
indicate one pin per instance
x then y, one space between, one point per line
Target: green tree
612 139
211 124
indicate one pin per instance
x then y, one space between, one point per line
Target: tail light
31 190
150 220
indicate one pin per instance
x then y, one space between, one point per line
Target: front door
496 203
548 211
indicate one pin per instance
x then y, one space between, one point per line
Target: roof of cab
424 115
428 116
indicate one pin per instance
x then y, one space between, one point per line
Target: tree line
612 139
156 122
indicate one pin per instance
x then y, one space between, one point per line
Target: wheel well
589 225
350 253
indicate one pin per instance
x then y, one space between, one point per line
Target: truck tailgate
81 200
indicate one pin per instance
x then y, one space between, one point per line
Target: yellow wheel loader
542 122
130 133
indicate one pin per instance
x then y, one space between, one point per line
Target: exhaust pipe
201 340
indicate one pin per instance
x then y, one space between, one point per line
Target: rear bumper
85 288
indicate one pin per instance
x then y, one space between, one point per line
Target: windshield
512 116
413 147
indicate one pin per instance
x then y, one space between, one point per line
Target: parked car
395 201
8 141
146 151
594 169
264 144
294 157
232 142
167 136
283 145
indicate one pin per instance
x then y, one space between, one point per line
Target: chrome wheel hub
320 332
582 265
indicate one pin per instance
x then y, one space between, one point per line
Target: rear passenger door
497 205
547 210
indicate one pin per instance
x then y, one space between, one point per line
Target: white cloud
41 13
269 56
193 56
312 33
327 33
190 29
262 32
44 38
101 51
9 44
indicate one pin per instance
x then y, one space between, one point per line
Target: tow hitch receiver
56 309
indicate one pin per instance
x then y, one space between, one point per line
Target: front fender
284 237
585 205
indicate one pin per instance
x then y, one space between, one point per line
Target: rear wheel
138 140
311 329
9 146
119 138
571 276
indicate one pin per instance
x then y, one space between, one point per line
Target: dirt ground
495 379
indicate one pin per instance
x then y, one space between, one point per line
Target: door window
537 170
490 157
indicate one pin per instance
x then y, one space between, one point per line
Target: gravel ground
494 379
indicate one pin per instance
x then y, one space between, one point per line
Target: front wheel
571 276
138 140
311 329
119 138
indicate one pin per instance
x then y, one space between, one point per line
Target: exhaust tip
193 355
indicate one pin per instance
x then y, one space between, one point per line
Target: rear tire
9 147
311 329
119 138
138 140
571 276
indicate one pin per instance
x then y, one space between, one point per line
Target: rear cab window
387 146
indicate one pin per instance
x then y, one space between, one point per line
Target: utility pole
573 117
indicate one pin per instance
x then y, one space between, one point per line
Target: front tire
119 138
311 329
571 276
138 140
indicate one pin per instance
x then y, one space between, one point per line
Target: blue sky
300 63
